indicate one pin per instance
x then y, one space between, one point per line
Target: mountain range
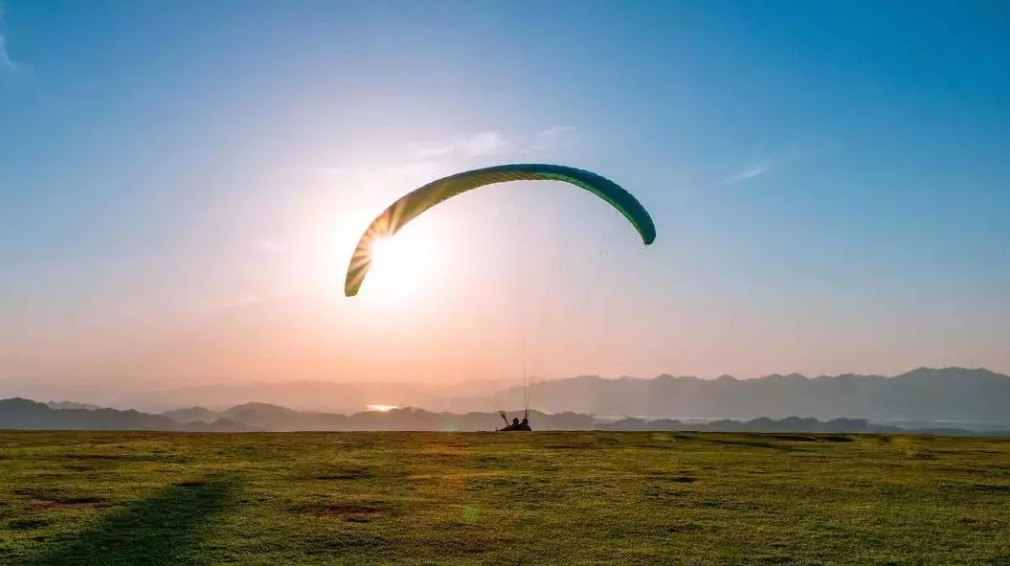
956 396
25 414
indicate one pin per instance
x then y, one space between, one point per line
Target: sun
386 249
402 266
381 408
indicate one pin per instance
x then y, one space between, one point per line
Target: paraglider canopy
416 202
411 205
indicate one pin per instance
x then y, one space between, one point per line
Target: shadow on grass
161 531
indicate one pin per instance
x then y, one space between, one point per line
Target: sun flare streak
401 266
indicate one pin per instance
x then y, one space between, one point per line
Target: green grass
523 498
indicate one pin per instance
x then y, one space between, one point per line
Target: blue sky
830 183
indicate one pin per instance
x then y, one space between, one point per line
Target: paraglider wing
416 202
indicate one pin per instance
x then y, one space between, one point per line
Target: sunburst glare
402 266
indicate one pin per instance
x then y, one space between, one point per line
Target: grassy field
520 498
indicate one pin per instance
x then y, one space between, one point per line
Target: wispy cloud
757 170
745 175
6 63
490 142
428 160
411 170
481 143
554 131
550 137
19 70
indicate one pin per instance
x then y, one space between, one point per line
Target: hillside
26 414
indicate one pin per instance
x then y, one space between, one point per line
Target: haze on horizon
182 184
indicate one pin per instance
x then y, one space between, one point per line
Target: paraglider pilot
516 425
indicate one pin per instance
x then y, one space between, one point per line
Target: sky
182 185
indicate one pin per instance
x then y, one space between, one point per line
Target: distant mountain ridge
192 415
950 394
954 395
25 414
71 405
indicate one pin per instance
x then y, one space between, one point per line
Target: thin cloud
759 169
555 131
745 175
410 171
7 64
481 143
425 161
550 137
5 59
